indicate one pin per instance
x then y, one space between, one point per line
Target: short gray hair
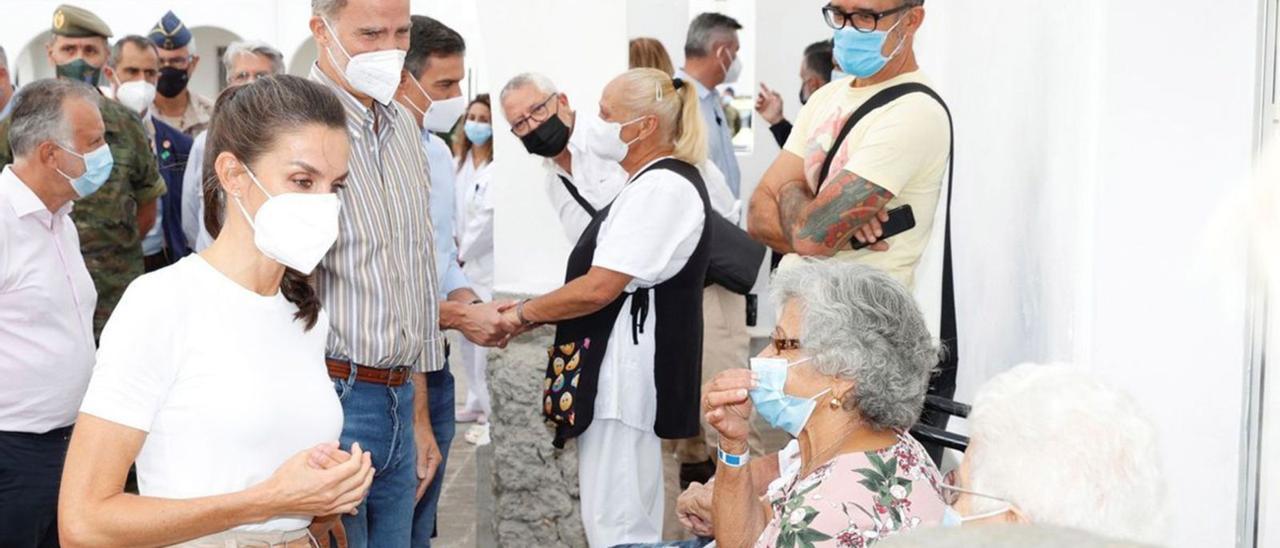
117 50
252 47
1068 451
706 30
539 82
37 114
327 8
860 325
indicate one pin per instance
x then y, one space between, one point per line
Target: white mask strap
333 34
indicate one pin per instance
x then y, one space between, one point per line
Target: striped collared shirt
379 282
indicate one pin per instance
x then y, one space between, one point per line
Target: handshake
486 324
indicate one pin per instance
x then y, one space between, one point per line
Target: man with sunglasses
580 183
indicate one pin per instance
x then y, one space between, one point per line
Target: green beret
74 22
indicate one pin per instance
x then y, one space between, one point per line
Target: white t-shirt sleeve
135 366
722 200
649 227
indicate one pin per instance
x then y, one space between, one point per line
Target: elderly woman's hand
693 509
727 405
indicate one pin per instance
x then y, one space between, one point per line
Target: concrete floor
461 500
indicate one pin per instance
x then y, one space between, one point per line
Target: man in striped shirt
378 283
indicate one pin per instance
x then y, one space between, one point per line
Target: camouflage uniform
108 219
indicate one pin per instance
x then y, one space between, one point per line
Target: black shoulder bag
944 381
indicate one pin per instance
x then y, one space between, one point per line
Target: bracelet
731 460
520 312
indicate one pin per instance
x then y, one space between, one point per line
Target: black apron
573 362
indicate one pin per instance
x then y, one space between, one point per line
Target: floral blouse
856 499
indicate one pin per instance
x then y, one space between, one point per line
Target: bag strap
577 196
947 327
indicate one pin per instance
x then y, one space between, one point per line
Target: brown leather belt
341 370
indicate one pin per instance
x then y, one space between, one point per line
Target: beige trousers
238 539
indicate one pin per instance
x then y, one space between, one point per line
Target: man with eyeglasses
175 104
819 195
245 62
580 183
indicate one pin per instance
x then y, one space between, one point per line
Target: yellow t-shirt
901 147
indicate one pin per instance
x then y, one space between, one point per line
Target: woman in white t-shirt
210 373
628 323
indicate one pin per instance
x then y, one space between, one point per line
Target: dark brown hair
246 121
461 144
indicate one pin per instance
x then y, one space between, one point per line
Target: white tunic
652 229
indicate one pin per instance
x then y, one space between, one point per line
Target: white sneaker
477 435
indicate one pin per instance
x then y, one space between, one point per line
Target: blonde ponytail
691 136
646 91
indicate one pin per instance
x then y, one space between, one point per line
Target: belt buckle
402 370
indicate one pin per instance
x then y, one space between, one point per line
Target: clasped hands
493 324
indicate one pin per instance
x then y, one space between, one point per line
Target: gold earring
836 403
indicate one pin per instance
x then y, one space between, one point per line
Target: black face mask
548 139
804 97
172 81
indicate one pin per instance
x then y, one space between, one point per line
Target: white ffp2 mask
604 139
137 95
376 73
294 229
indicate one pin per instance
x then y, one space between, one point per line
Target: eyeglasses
536 117
245 77
861 21
180 63
951 493
781 342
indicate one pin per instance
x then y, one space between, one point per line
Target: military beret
74 22
170 33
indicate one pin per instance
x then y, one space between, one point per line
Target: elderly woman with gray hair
846 375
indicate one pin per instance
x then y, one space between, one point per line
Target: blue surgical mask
858 53
478 133
778 408
97 167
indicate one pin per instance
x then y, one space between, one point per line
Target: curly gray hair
861 325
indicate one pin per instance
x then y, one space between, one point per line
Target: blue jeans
440 396
381 419
30 474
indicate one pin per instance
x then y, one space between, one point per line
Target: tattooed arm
763 222
824 224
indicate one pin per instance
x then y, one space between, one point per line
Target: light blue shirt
440 166
719 141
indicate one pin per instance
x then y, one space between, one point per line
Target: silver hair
1067 450
38 113
1002 535
4 59
327 8
252 47
860 325
539 82
706 30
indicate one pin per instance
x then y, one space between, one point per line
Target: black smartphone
901 219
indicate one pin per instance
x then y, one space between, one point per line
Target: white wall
1089 156
531 246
